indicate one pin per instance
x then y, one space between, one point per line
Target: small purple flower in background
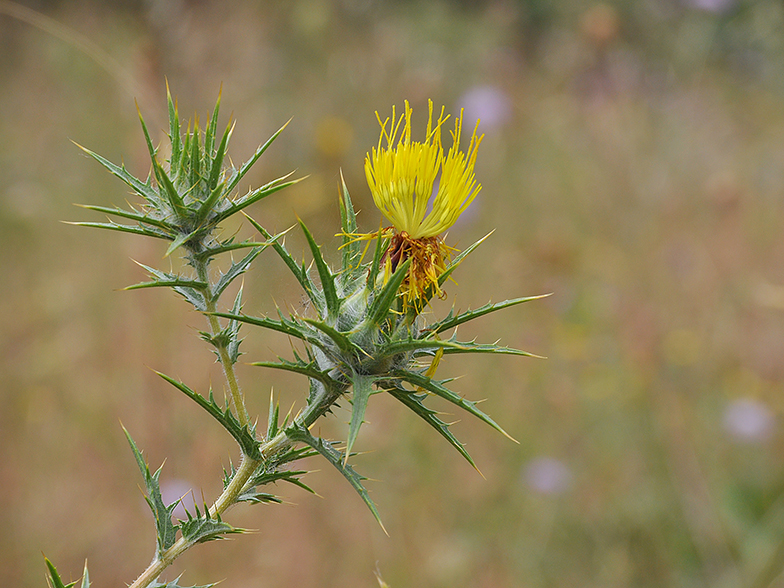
175 490
711 5
749 420
492 107
547 475
489 104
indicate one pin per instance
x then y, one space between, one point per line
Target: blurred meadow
633 165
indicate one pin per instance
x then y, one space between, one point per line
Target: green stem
224 501
317 407
228 370
223 353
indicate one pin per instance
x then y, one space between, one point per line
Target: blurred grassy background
633 165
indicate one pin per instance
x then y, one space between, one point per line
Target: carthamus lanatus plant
365 331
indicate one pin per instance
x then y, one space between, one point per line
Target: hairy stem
318 405
223 353
224 501
228 370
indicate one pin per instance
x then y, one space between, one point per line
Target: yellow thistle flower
401 174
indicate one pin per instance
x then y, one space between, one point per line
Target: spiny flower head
401 174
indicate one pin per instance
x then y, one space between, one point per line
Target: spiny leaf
362 388
453 321
168 189
175 282
253 497
449 346
178 241
85 577
244 436
325 275
174 130
375 266
471 347
415 403
182 172
132 215
164 183
282 326
200 529
431 291
273 417
352 250
208 204
265 476
212 126
233 328
306 369
55 581
194 169
217 160
220 340
439 389
255 195
194 291
144 189
292 454
165 530
299 271
167 279
234 271
459 259
230 246
343 342
174 584
337 459
112 226
239 174
292 477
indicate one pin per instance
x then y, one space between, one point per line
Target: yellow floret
401 176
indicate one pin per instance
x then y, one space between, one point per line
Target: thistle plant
366 332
